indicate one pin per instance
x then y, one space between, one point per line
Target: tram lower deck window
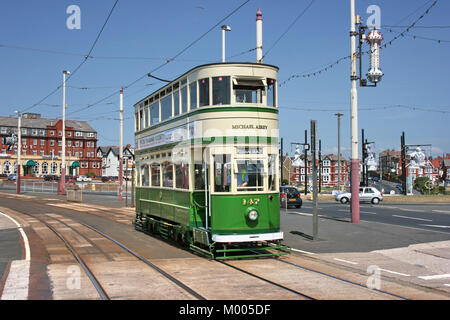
222 172
156 179
249 175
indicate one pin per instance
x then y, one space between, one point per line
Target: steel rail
162 272
268 281
341 279
101 291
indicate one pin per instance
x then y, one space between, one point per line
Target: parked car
376 179
290 196
366 194
83 179
12 177
51 177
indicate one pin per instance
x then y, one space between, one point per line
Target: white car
366 194
83 179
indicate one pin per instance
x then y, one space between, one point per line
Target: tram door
201 186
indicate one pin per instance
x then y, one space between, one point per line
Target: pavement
407 253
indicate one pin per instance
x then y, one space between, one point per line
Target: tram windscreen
250 175
248 91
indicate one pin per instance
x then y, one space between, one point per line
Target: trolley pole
354 119
339 115
19 149
121 145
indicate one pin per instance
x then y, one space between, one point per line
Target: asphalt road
383 226
434 217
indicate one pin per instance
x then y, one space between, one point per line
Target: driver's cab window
249 90
222 172
249 175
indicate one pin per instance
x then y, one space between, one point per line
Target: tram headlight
253 214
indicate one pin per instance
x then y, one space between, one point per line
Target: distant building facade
110 160
42 146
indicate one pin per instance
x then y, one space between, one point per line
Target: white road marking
367 212
447 284
24 236
442 211
394 215
343 210
400 274
414 210
16 286
435 226
301 251
346 261
301 213
438 276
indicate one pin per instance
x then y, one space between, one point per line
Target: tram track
92 277
312 271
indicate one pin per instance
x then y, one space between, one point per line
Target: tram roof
207 65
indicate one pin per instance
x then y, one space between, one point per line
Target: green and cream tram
207 161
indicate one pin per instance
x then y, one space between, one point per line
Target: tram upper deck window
166 107
249 175
248 91
203 89
193 93
271 87
221 90
176 103
154 113
183 99
222 172
141 118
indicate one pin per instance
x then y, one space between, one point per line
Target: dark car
50 177
376 179
289 196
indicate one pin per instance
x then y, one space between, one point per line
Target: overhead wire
167 61
387 43
289 27
82 62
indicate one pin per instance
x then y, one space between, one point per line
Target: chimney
259 42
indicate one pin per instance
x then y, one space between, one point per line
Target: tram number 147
250 201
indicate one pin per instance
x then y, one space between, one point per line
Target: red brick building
42 145
328 168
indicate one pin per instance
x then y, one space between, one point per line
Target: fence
52 187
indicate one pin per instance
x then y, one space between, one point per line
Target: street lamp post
354 119
62 180
19 149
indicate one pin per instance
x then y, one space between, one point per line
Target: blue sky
415 70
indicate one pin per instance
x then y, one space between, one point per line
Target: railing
52 187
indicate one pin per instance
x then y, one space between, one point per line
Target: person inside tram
242 178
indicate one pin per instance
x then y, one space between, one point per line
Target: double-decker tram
207 161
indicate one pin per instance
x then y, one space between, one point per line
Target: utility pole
339 115
354 119
363 153
121 145
314 179
62 180
306 162
19 149
403 154
320 166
